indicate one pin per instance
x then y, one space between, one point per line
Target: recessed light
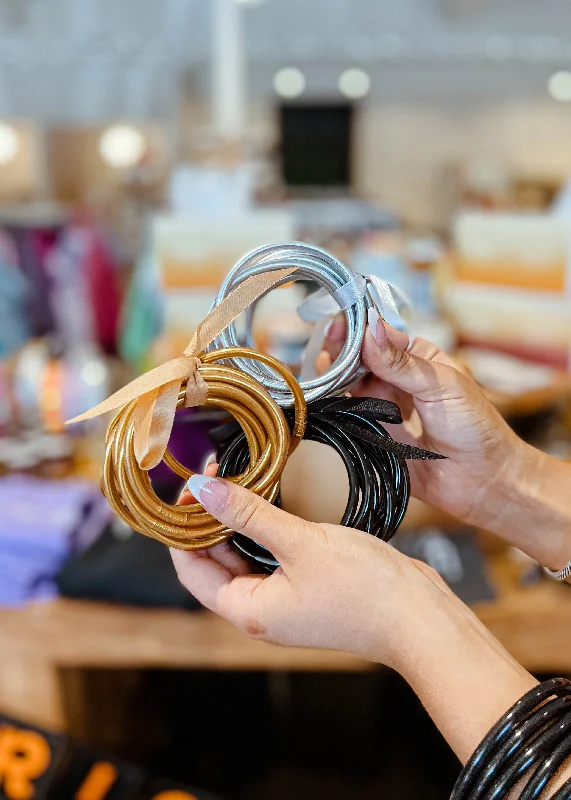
559 86
122 146
289 82
9 143
354 83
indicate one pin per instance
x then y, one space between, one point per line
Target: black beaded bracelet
379 483
535 734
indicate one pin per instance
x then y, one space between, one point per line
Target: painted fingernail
376 325
335 329
210 492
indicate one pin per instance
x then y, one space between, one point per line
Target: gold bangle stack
128 488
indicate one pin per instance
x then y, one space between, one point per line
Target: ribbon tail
154 418
380 291
386 442
232 306
176 369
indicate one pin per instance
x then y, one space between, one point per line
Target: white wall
405 152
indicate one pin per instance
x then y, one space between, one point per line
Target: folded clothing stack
42 523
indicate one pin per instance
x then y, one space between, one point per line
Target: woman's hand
446 412
343 589
336 587
491 478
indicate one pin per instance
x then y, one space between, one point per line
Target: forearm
465 679
529 505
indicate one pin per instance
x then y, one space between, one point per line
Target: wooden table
38 644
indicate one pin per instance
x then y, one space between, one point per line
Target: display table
41 643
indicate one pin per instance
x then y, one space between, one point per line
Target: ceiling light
122 146
559 86
354 83
9 143
289 82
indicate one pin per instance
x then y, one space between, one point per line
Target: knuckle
247 507
397 360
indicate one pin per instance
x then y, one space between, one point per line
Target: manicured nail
210 492
376 325
335 329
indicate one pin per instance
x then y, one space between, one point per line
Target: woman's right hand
490 478
446 411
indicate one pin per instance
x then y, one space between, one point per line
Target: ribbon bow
388 299
344 413
156 392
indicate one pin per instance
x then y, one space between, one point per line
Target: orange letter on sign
24 756
99 780
175 795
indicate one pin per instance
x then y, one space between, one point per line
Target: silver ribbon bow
385 297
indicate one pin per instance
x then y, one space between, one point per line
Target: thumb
421 377
287 536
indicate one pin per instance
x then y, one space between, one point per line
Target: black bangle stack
535 734
379 483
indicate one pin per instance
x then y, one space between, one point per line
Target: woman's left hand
343 589
336 587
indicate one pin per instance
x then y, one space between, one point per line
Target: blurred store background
145 147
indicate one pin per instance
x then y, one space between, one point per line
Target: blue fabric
42 524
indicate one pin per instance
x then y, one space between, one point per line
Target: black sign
38 765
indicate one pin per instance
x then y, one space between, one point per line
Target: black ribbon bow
345 411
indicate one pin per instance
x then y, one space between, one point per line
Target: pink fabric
101 273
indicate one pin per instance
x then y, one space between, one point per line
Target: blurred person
343 589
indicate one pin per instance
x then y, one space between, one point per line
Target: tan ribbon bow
156 392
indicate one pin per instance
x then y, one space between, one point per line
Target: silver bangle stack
350 292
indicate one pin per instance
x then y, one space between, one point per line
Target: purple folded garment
42 523
189 443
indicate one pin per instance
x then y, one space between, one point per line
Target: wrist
509 489
410 590
419 599
527 505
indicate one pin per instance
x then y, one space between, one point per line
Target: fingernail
335 329
210 492
376 325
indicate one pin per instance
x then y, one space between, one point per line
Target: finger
186 497
201 575
335 335
224 553
400 339
422 348
423 378
213 585
425 349
322 362
243 511
227 555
